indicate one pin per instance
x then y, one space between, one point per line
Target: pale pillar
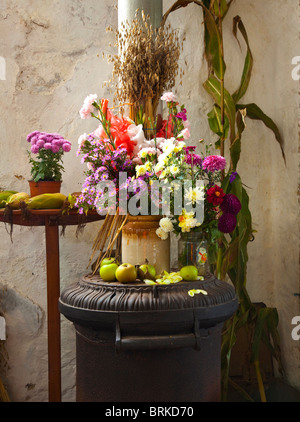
153 8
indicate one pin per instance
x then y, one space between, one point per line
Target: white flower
168 146
166 224
161 233
146 151
87 108
174 169
82 138
185 134
136 133
159 167
140 170
168 96
194 195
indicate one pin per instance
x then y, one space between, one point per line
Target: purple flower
227 223
231 204
193 159
182 115
48 145
30 135
214 163
189 148
232 176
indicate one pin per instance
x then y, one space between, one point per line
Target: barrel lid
93 299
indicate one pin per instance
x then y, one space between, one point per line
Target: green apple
148 268
189 272
107 261
108 272
126 273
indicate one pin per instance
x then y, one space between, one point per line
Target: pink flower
185 134
55 148
40 143
87 108
34 149
66 146
214 163
169 97
48 145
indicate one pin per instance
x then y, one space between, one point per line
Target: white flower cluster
165 227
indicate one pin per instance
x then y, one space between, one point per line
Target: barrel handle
176 341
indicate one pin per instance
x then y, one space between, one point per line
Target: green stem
260 382
219 262
222 141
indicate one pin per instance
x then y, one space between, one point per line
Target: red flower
118 127
215 195
167 129
104 104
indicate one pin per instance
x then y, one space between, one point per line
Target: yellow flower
187 221
140 170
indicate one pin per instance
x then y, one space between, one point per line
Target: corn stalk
227 121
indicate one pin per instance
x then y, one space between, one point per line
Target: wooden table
51 219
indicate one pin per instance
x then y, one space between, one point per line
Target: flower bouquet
129 174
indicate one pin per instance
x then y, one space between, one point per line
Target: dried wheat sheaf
147 61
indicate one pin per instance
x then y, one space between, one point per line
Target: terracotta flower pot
44 186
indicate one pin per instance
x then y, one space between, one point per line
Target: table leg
53 293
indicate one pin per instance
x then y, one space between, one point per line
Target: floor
276 390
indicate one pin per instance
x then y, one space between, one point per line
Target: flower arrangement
119 145
49 149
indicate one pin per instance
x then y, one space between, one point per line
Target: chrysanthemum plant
48 149
227 121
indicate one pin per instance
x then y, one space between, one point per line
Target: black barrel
137 343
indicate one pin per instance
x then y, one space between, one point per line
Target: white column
153 8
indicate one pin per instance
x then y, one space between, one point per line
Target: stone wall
53 57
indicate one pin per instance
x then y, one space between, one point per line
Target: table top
53 216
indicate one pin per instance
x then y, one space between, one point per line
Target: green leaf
255 113
213 87
229 257
214 120
248 65
213 42
222 10
235 148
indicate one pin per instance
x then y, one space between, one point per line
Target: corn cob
46 201
14 200
4 195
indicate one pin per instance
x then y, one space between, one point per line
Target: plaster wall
52 52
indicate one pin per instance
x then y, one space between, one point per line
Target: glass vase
193 250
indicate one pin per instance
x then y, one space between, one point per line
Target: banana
46 201
14 200
4 195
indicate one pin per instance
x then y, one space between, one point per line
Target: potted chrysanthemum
47 167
